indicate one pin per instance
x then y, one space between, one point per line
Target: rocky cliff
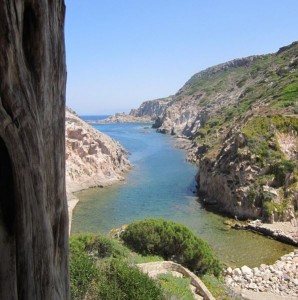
204 94
152 108
92 158
242 119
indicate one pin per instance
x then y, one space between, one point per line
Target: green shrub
95 273
100 246
280 170
242 81
118 280
82 270
291 92
172 241
261 132
278 208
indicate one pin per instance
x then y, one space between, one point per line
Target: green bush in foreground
172 241
96 271
82 269
118 280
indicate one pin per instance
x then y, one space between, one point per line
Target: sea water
162 185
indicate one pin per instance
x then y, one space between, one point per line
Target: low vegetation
104 268
280 172
100 269
268 85
175 287
261 134
172 241
218 288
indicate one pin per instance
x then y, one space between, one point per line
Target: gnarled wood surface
33 209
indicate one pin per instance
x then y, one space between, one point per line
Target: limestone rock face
179 118
33 207
227 180
152 108
92 158
191 108
232 181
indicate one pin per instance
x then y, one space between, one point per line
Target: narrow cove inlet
162 185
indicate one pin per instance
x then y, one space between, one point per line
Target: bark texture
33 208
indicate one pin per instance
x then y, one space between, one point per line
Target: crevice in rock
31 38
7 202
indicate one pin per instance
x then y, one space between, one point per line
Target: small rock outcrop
286 232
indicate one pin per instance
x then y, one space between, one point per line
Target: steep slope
242 118
92 158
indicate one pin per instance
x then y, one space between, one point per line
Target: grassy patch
218 289
174 287
261 136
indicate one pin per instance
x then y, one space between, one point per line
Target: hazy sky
123 52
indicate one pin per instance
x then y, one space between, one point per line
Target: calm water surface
162 185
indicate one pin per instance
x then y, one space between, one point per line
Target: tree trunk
33 207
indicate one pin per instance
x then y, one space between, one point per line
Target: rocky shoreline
279 279
286 232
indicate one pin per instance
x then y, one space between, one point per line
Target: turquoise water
162 185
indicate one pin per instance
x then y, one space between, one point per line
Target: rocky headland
92 158
123 118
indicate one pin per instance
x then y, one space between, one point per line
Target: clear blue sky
123 52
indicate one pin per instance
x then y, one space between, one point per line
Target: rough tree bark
33 208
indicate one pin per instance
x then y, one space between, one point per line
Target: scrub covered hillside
242 119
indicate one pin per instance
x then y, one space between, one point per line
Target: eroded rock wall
92 158
152 108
